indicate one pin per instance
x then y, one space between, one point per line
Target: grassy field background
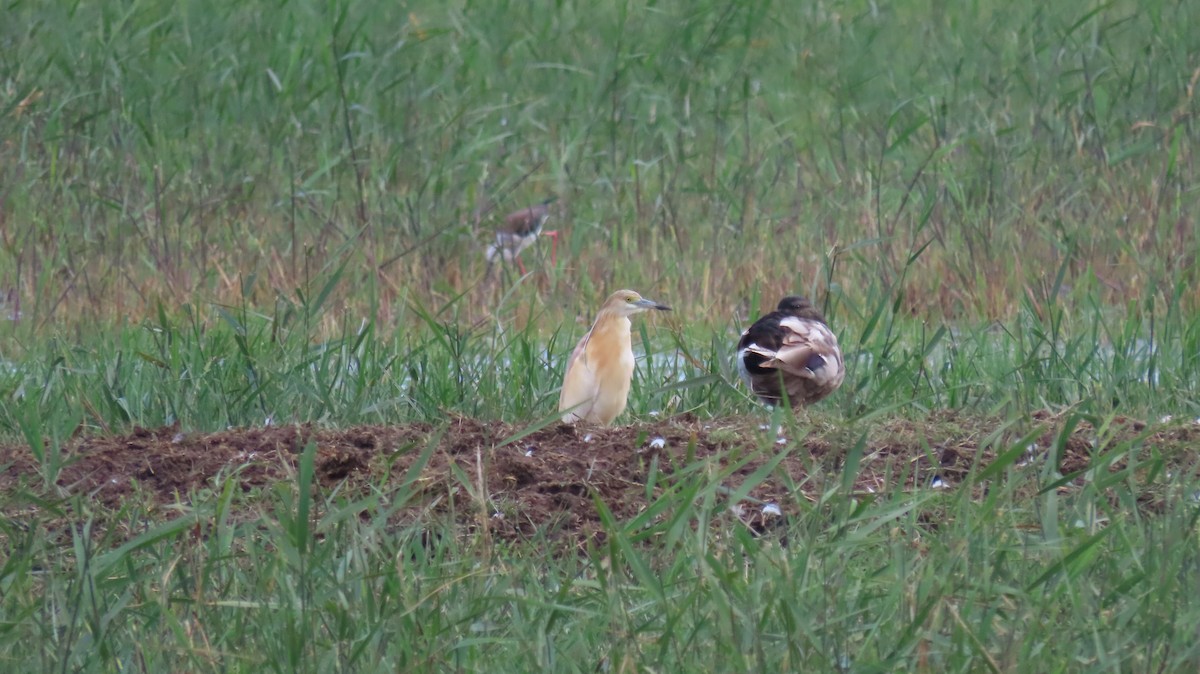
221 214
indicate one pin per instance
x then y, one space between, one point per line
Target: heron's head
628 303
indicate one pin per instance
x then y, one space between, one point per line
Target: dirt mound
547 479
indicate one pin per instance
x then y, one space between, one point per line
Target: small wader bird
596 384
520 231
791 350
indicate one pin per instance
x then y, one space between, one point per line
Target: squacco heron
791 350
520 231
600 369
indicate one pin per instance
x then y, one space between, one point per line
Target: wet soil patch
546 482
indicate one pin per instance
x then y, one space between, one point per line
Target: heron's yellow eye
630 299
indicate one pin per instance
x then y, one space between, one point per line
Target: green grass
707 154
868 583
219 213
244 367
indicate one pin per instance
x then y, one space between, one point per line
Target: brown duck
791 351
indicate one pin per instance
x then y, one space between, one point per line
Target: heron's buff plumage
596 385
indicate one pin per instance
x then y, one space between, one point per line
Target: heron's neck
612 323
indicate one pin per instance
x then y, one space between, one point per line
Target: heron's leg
553 247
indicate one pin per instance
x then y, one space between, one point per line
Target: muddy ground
546 481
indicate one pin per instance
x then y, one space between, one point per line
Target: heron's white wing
580 384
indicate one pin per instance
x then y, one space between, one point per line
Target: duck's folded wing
809 349
767 353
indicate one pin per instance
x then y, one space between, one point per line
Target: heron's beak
651 304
